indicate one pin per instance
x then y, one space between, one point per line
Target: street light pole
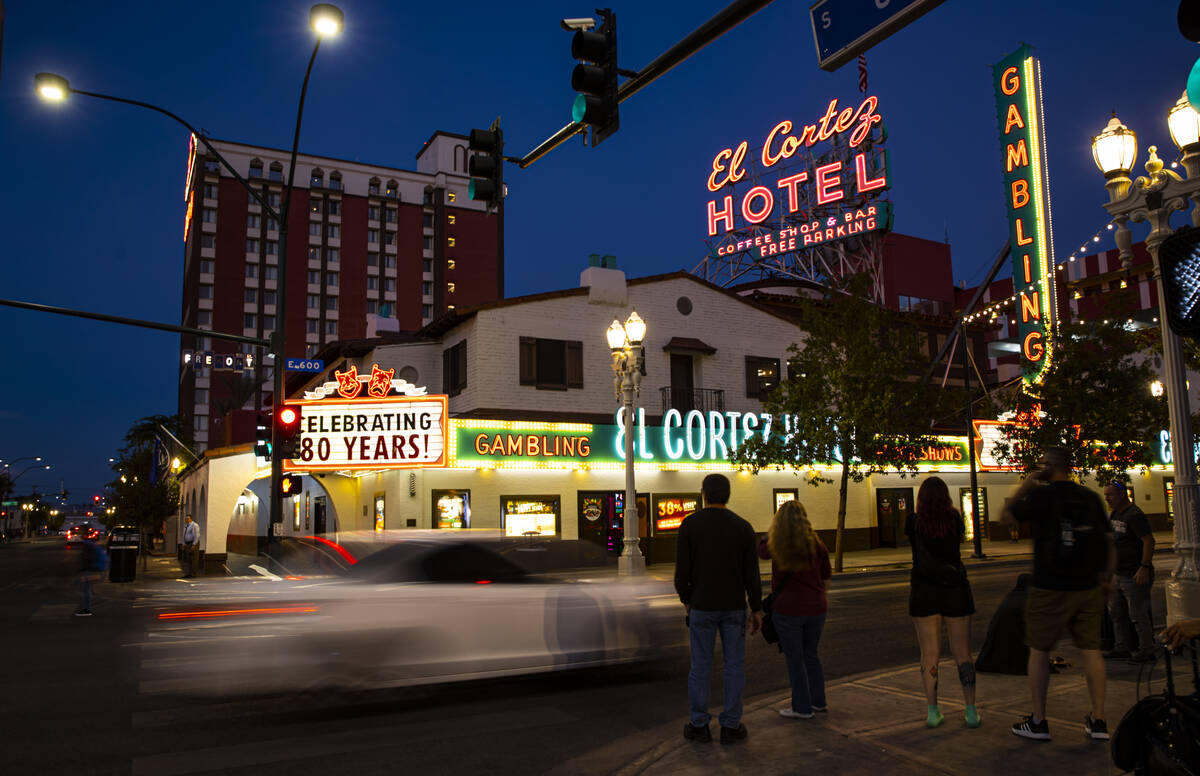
628 363
1153 199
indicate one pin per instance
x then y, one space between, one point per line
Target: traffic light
262 436
1179 260
287 430
596 78
486 165
290 485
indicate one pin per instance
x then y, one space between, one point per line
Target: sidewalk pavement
876 724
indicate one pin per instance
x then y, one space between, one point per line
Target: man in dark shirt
1129 602
1073 559
716 571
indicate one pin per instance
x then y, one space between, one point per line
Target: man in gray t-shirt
1129 603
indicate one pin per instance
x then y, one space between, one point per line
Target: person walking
1129 602
800 572
1073 560
92 563
716 575
191 543
940 592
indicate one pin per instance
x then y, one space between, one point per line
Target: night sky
92 202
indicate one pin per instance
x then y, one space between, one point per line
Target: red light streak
337 547
198 615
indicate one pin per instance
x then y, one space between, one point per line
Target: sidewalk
876 724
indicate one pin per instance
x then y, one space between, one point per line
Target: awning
689 344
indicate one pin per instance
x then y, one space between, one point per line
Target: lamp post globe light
325 20
1152 198
628 362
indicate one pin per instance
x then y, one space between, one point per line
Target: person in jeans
799 573
1129 603
716 573
940 595
1073 560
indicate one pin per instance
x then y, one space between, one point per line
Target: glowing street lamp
326 19
1156 389
628 365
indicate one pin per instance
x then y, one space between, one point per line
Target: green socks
973 720
933 717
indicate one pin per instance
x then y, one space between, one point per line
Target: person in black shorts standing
940 591
1073 560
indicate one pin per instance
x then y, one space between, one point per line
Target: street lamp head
635 328
1115 149
1156 388
616 335
1184 123
51 87
326 19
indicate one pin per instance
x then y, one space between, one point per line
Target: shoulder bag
768 628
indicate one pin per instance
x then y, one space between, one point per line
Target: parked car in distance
79 533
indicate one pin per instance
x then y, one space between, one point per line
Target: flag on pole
862 73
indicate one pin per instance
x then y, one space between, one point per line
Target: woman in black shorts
940 590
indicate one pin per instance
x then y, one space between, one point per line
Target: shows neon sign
1023 137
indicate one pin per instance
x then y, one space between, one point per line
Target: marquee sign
394 432
1018 84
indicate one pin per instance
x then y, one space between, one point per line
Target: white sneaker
794 714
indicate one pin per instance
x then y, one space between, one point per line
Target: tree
852 398
1094 400
142 493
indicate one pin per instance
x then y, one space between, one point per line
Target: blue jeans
799 636
703 632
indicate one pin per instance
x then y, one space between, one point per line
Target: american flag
862 73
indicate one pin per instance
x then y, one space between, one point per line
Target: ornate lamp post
628 365
325 20
1152 198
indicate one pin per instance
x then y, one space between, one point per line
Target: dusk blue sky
92 208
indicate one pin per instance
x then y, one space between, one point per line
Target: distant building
371 249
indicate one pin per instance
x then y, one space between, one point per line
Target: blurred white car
413 608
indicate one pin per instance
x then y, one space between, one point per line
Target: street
76 702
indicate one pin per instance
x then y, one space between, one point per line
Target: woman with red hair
940 591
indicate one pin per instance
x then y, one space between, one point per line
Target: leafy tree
135 499
852 398
1094 400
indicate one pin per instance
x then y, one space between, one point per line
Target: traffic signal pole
728 18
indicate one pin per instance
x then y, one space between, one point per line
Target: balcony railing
686 399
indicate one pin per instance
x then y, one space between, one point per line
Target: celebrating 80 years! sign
394 432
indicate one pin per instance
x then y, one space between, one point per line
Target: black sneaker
1095 728
1027 728
84 613
701 734
733 735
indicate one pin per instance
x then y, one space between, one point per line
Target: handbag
936 570
1160 734
768 627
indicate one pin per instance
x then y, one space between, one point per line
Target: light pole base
1183 599
631 565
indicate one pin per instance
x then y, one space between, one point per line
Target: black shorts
926 599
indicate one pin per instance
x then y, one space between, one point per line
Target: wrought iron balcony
685 399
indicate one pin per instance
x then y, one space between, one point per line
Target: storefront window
784 495
671 508
379 502
964 505
451 509
530 515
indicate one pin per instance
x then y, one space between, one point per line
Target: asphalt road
72 702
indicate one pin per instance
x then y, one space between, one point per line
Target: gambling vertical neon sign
1017 79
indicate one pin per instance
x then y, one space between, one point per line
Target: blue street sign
305 365
843 29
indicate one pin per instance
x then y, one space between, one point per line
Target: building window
427 220
391 189
272 224
205 291
427 265
212 165
331 278
268 297
332 255
335 180
251 296
372 212
249 321
201 422
389 238
331 328
389 284
451 220
372 283
454 369
251 270
204 317
268 323
252 221
202 396
426 311
373 186
209 215
373 235
550 364
272 248
256 169
371 306
314 205
389 215
426 288
270 273
314 301
386 309
389 262
314 253
762 375
314 229
206 266
331 302
427 243
210 191
333 231
276 172
335 207
312 325
316 179
251 246
314 277
274 198
372 259
208 241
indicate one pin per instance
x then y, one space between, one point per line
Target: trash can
122 554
